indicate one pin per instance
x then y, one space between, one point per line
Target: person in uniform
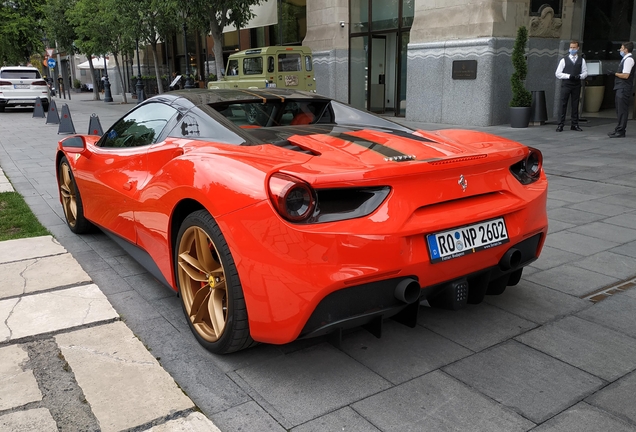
571 71
623 86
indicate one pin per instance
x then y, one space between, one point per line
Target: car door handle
128 186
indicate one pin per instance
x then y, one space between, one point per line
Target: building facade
398 56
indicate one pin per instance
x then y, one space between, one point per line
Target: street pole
140 86
108 97
188 84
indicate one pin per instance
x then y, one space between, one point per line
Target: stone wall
329 42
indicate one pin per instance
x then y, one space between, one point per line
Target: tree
93 33
158 18
220 13
21 30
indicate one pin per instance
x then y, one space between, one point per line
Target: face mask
622 53
573 51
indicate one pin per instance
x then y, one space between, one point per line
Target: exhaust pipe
510 260
408 290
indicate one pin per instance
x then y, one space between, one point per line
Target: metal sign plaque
464 69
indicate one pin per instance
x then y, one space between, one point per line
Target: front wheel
71 199
211 293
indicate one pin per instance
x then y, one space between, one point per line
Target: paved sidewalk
67 361
556 353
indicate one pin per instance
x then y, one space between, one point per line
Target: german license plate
466 240
21 86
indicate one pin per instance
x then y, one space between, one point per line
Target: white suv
20 85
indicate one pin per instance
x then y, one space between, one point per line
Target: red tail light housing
292 198
5 83
39 83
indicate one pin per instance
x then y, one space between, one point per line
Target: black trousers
570 90
622 109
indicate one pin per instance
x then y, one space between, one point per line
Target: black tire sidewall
202 219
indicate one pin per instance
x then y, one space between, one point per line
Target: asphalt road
542 356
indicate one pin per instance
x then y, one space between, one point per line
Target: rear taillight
529 169
534 163
39 83
292 198
5 83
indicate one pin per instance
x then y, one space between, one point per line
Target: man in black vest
624 87
571 70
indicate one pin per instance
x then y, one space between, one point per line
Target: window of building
384 14
537 6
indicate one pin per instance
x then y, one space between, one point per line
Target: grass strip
16 218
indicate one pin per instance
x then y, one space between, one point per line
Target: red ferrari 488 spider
280 215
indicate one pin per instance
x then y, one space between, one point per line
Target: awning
98 63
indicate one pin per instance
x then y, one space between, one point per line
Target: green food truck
275 66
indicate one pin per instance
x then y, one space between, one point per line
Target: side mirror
73 144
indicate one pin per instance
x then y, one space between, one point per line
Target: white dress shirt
628 64
563 76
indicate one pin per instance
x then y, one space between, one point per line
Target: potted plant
521 98
77 85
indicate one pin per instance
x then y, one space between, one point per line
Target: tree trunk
217 38
121 78
153 44
95 85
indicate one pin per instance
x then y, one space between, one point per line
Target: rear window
289 63
19 74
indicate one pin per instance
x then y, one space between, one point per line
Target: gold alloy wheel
69 198
202 284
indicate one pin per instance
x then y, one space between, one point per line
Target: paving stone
475 326
595 206
417 351
248 417
344 419
570 196
555 226
573 216
578 243
194 422
627 199
131 388
555 203
611 264
606 231
584 418
52 311
595 349
572 279
436 402
528 381
34 247
627 220
38 419
537 303
29 276
628 249
615 312
310 383
553 257
618 398
17 386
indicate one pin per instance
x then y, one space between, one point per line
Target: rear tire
211 293
71 200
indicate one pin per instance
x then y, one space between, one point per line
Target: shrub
520 96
